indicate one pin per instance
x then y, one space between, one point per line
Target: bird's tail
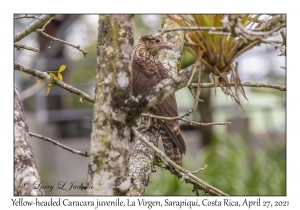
171 150
172 130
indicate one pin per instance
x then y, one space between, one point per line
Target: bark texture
171 59
26 175
140 161
110 133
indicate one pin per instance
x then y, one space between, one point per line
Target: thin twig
62 41
246 84
185 175
283 67
260 35
32 27
198 89
186 43
200 100
273 32
204 124
204 28
27 16
185 120
263 40
156 95
220 33
272 42
169 118
276 42
192 76
167 167
85 154
270 23
267 28
19 46
47 77
30 91
46 24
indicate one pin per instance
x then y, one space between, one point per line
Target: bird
147 72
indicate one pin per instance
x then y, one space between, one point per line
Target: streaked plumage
148 72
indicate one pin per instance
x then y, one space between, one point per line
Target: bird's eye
157 40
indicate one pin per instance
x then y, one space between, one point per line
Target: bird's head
152 44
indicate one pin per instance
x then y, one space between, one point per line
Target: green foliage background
233 167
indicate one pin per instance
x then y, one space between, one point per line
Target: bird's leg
146 127
156 160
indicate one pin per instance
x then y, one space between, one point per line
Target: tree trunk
26 175
110 133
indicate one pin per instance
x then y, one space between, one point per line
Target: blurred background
247 157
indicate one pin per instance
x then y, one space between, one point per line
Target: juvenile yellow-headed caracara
148 72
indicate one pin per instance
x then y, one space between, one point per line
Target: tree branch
185 175
149 99
26 174
41 31
27 16
271 27
204 124
168 86
32 27
199 99
245 84
47 78
204 28
86 154
182 119
269 24
19 46
157 94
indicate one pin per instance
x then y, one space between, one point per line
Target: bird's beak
166 45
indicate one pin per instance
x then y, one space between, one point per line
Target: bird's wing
168 108
147 74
